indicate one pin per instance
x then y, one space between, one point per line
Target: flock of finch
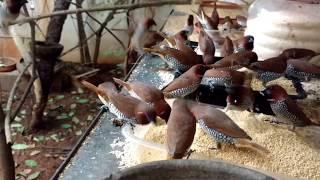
146 102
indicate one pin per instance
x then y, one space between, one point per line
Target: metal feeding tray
94 156
98 153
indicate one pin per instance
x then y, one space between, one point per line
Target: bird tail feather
171 42
153 51
122 83
95 89
245 143
309 135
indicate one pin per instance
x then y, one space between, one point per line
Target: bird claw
218 147
292 128
165 69
227 108
117 122
189 153
105 107
275 122
177 73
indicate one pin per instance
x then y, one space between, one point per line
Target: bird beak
202 15
271 100
262 93
150 119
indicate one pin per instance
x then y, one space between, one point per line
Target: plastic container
7 64
280 24
191 170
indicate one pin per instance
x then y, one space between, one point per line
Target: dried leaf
36 152
89 118
16 125
19 146
80 90
50 101
63 116
20 129
66 126
79 133
27 171
83 101
73 106
23 112
31 163
55 137
75 120
34 175
19 174
71 114
18 119
59 97
38 138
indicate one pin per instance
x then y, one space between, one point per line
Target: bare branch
24 96
109 31
8 117
84 50
76 46
106 8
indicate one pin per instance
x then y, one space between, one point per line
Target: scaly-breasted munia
285 109
298 53
181 129
139 37
215 16
223 77
207 48
153 39
269 69
140 34
240 97
149 94
229 24
227 47
302 70
206 21
241 20
181 45
175 58
244 44
126 108
220 127
189 25
237 60
186 84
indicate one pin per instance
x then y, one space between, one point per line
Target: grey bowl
188 170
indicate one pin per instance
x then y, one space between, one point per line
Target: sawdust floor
290 153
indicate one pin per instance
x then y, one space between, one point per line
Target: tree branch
106 8
84 50
24 97
107 29
76 46
8 117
